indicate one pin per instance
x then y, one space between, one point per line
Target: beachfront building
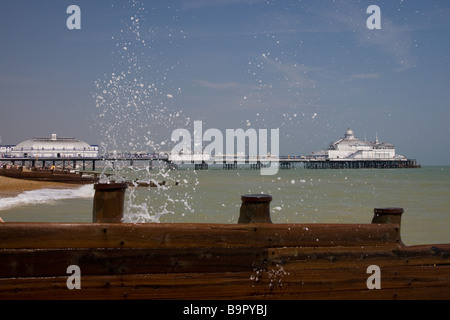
351 148
53 147
5 150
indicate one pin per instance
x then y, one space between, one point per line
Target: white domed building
349 147
54 147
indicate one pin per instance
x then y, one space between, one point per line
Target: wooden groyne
254 259
62 176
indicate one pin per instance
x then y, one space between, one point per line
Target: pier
348 152
284 162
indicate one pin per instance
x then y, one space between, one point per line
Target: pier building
53 147
350 152
351 148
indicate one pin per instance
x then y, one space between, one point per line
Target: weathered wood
48 262
51 262
388 215
338 257
55 235
48 176
407 283
255 208
350 283
109 200
219 261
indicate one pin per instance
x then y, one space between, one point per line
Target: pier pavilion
351 148
53 147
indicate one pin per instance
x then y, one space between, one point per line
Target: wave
46 196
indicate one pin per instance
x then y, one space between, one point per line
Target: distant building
53 147
351 148
5 150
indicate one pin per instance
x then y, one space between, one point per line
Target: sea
299 196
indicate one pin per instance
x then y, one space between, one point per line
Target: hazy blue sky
139 69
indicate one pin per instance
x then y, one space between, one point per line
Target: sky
137 70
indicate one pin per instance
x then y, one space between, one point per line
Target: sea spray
168 193
136 112
135 107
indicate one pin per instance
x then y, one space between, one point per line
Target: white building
351 148
54 147
5 150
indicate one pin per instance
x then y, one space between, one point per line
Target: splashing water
132 103
135 113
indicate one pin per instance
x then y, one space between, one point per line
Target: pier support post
201 166
388 215
255 208
109 200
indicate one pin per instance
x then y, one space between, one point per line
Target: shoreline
10 187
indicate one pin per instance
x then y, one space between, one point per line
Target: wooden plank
47 262
410 283
325 257
51 235
302 272
410 280
54 262
143 286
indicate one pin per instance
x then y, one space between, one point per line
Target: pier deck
284 162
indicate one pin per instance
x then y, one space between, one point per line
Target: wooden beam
97 235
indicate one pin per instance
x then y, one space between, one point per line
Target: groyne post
109 201
255 208
388 215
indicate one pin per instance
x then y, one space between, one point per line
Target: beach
10 187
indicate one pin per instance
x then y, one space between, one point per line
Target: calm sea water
299 196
